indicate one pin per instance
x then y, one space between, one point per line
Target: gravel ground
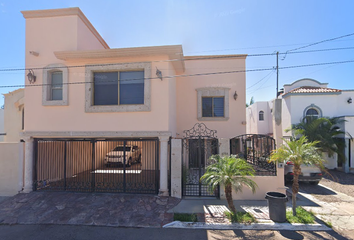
336 180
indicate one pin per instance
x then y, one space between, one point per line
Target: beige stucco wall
187 95
265 184
74 118
14 104
85 39
11 168
2 124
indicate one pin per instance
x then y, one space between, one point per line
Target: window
118 88
213 106
56 86
261 116
312 113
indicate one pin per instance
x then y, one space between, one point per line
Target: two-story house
101 119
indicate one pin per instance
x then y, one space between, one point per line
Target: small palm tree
298 152
231 172
251 102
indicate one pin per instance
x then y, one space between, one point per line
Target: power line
261 86
326 40
173 60
114 64
273 46
261 79
196 74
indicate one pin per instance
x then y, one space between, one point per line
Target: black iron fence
97 165
256 149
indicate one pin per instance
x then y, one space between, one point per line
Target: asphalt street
67 232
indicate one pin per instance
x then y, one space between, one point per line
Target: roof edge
305 79
241 56
65 12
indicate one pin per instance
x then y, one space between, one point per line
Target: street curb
252 226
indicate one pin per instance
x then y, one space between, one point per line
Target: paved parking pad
106 209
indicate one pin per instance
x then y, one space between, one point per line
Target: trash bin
277 206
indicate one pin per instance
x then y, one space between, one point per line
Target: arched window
261 116
311 112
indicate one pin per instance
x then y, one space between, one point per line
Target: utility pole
277 75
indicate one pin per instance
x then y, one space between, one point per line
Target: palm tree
324 130
298 152
231 172
251 102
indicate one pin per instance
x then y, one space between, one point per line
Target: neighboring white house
302 98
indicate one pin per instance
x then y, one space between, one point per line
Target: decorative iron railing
256 149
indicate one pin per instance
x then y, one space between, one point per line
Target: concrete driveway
100 209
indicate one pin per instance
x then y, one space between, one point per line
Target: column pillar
28 168
163 191
277 122
176 168
224 147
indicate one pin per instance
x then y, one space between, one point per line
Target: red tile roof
308 89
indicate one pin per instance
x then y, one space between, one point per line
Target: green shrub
185 217
240 217
302 216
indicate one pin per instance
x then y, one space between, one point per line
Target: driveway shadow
313 189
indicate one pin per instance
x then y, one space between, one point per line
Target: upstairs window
56 86
261 116
213 107
118 88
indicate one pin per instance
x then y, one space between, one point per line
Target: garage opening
97 165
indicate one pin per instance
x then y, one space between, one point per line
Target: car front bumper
114 160
314 177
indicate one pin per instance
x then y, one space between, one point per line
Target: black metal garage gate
95 165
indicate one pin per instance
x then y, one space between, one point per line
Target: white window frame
313 106
212 92
47 85
259 115
89 88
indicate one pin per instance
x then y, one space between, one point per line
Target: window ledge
213 118
115 108
54 103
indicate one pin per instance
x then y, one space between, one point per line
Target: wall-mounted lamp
158 73
350 100
34 53
31 77
235 95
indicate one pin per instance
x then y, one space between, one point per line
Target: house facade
2 132
307 97
89 105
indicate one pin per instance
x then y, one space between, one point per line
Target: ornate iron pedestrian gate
199 144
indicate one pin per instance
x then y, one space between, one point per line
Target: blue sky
208 28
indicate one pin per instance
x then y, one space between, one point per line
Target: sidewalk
210 214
